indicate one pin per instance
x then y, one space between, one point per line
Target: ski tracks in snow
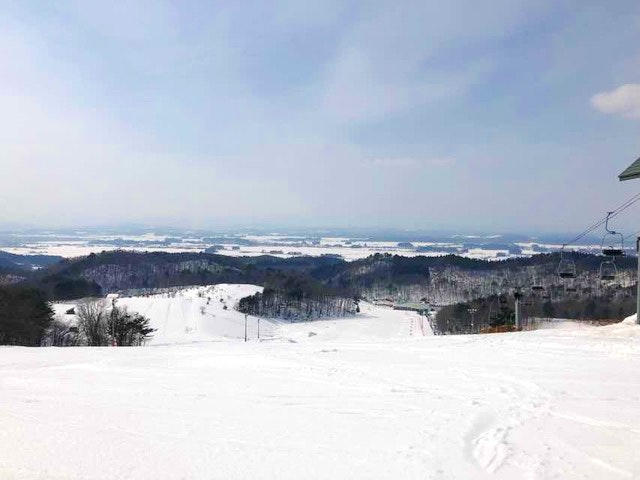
516 402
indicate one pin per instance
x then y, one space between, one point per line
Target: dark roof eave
632 172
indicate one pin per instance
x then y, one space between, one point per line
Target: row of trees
291 295
27 319
298 304
499 310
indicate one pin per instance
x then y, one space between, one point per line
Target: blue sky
511 115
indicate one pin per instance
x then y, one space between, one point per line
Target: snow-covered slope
198 314
373 323
356 400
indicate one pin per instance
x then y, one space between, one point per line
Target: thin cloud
411 162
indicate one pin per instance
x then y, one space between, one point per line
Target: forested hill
16 268
17 262
113 271
447 279
451 278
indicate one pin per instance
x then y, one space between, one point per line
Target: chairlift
608 271
612 241
566 267
537 288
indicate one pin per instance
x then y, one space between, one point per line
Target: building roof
632 172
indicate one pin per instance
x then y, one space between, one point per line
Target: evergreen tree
25 316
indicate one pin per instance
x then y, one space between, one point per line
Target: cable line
612 214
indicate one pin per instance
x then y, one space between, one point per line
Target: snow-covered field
72 250
371 397
82 244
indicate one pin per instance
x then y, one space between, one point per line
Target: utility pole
245 327
517 296
258 328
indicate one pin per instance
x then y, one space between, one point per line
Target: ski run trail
371 397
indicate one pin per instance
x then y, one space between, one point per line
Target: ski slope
357 398
373 323
204 314
198 314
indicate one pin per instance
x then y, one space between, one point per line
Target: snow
198 314
82 244
374 323
368 397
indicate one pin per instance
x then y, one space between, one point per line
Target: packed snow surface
376 396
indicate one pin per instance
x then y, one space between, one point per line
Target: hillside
27 262
190 315
331 281
206 314
16 268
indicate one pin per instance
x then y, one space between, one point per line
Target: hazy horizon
368 233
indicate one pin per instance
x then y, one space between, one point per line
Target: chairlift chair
608 271
566 267
567 274
612 241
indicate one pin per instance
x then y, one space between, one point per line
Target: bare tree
92 320
60 334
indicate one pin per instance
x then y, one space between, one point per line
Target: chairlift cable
632 235
608 271
612 214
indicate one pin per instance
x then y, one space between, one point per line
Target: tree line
297 298
27 319
499 310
